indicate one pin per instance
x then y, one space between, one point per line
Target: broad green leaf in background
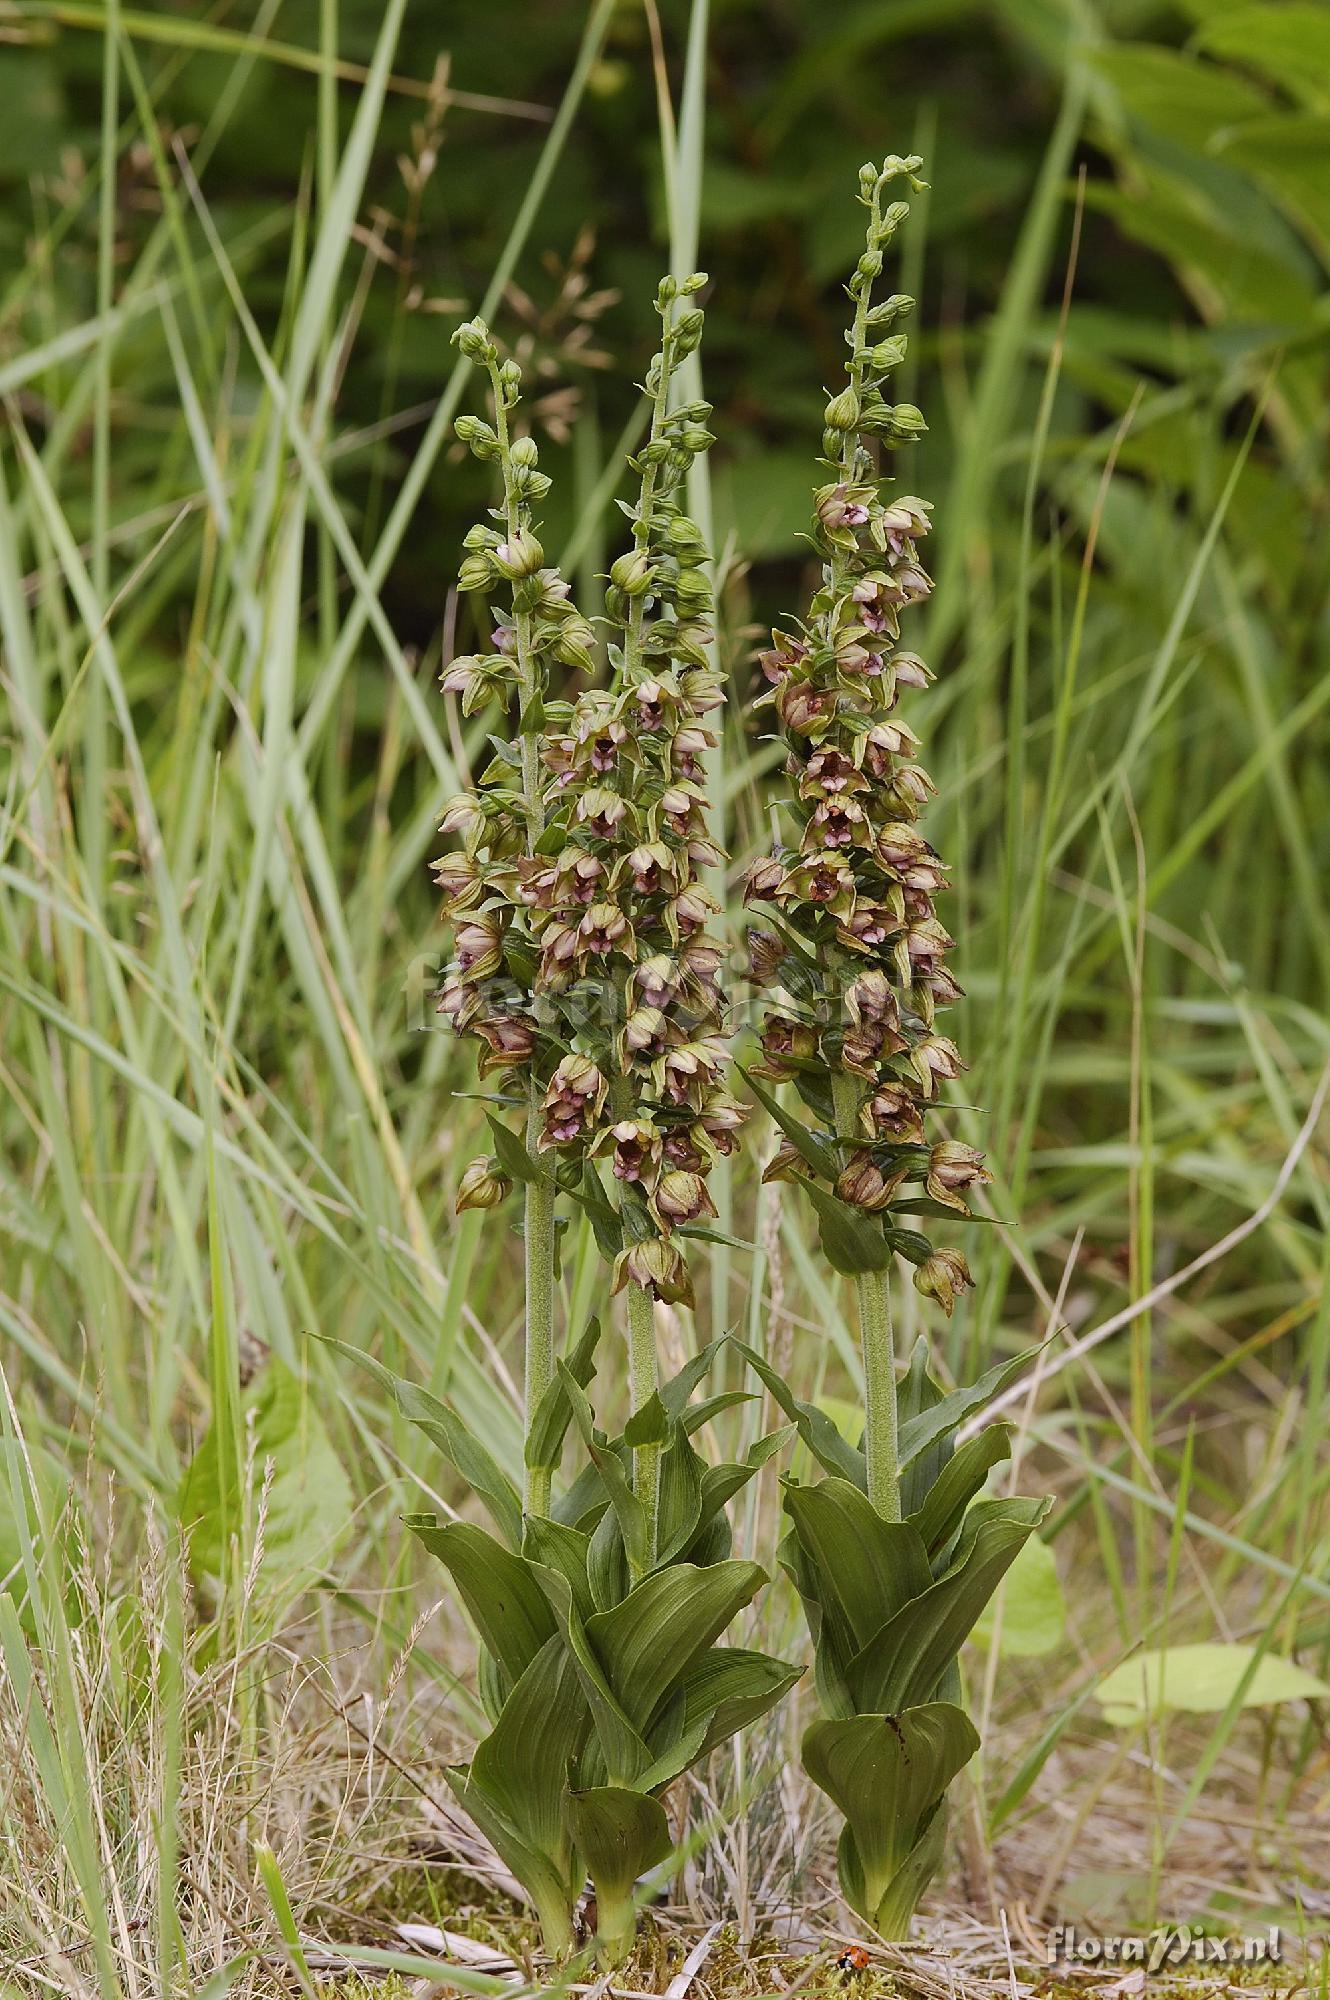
1033 1609
309 1499
1202 1679
1288 41
1189 100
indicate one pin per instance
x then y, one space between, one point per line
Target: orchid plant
584 969
893 1554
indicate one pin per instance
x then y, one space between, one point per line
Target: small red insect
853 1959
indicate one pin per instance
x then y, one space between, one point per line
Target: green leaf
647 1425
720 1483
512 1155
675 1393
444 1428
517 1785
1203 1679
861 1568
1188 100
1290 154
622 1749
887 1774
553 1545
851 1243
309 1501
622 1834
606 1224
1288 41
648 1642
942 1509
627 1507
729 1688
1034 1611
895 1910
679 1504
810 1146
549 1426
938 1424
904 1662
815 1427
506 1603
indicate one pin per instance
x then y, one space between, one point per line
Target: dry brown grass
305 1742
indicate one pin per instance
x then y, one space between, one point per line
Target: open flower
658 1267
576 1092
952 1168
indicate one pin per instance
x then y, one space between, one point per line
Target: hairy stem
644 1378
539 1275
873 1292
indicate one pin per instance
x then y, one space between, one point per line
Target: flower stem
644 1379
873 1292
539 1192
539 1276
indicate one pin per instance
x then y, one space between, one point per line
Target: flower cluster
578 898
619 904
488 991
860 955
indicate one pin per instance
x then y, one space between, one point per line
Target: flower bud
942 1276
842 412
521 555
933 1060
681 1198
631 573
524 453
456 878
862 1184
462 815
476 572
765 879
765 953
482 1186
785 1045
474 340
479 946
953 1167
479 435
658 1267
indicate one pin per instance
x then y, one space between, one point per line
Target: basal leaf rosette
889 1605
602 1672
